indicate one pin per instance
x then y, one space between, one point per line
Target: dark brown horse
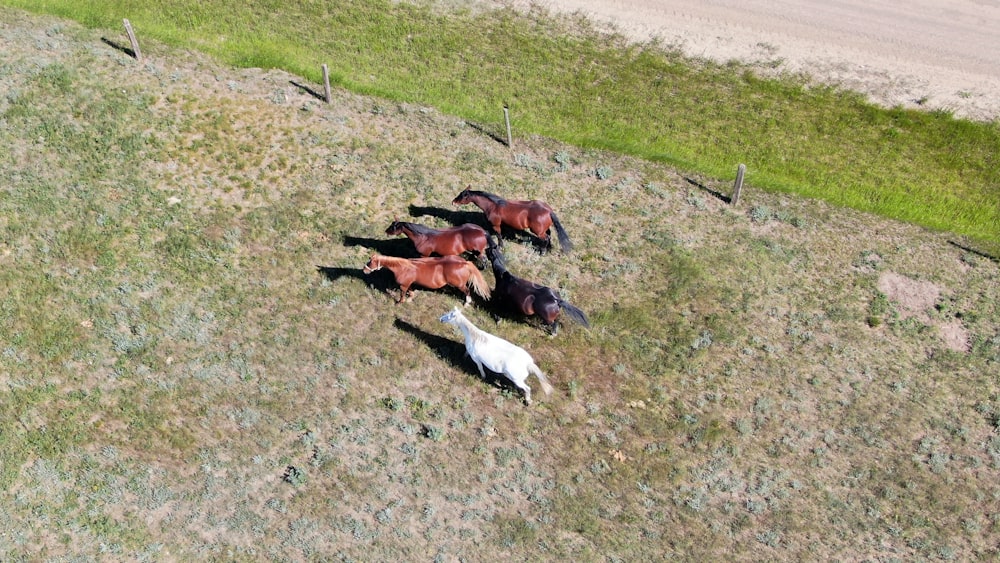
452 241
432 273
535 216
528 298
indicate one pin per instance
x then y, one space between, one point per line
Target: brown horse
452 241
432 273
535 216
529 298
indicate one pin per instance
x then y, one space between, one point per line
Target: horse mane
474 332
391 259
496 257
497 200
417 228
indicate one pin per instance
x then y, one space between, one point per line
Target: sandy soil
915 53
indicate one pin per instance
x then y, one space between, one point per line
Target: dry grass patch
217 377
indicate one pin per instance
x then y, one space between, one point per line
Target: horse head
373 264
395 228
495 256
463 197
451 316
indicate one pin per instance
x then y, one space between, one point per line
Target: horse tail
477 281
564 242
546 386
575 313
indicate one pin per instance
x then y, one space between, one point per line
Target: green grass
564 80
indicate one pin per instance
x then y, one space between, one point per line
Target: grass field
564 80
193 366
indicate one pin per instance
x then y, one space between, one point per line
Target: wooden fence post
740 170
326 84
132 39
506 120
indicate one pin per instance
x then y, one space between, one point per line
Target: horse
529 298
498 355
452 241
432 273
535 216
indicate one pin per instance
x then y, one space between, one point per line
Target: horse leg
403 290
549 313
498 229
545 238
527 392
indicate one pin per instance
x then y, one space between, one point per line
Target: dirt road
926 53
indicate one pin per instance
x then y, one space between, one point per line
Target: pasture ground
194 366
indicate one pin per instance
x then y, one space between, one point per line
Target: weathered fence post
132 39
326 84
506 120
740 170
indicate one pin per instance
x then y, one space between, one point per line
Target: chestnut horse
432 273
529 298
535 216
452 241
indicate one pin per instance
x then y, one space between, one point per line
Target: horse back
516 292
498 354
433 272
474 237
528 297
527 214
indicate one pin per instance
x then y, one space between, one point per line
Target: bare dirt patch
955 337
917 299
913 298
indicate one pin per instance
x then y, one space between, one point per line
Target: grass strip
562 78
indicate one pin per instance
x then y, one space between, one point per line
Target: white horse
497 354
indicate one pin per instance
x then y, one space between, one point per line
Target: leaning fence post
132 39
326 84
506 120
740 170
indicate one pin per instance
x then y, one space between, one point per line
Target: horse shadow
399 247
454 353
453 217
378 280
526 238
506 312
